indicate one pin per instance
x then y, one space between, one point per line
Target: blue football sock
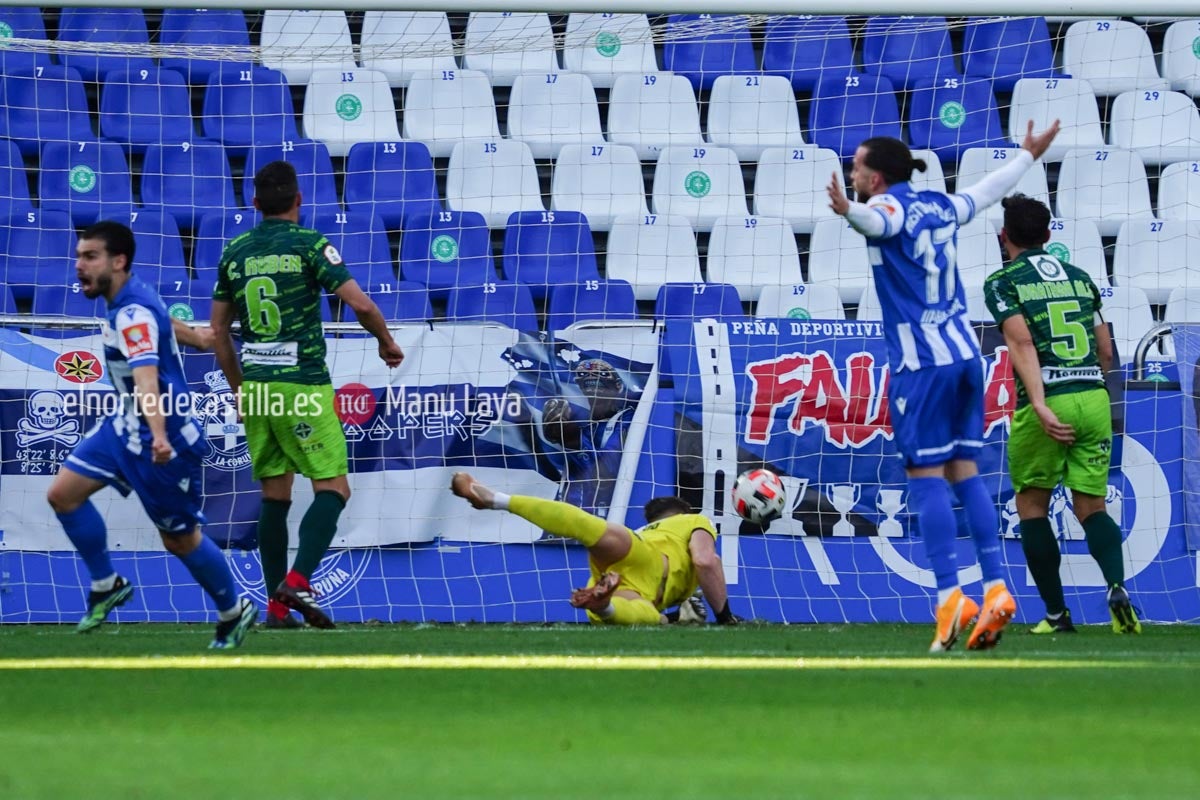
86 530
983 525
930 499
208 566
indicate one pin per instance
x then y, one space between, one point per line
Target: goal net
604 242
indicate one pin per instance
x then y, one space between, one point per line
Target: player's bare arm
711 574
1028 368
1104 347
371 318
145 381
199 338
227 360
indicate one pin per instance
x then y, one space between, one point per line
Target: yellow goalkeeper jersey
670 537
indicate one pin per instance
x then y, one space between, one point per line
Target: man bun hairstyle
892 159
1026 221
275 188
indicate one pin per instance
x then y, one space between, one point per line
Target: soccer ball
758 495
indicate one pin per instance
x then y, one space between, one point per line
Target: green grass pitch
845 711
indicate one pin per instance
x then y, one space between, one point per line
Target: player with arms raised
1049 312
936 370
274 277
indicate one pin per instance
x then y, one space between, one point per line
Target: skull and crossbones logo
47 420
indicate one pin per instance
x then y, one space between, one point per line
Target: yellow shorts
641 569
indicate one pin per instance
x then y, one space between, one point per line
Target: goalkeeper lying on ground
635 574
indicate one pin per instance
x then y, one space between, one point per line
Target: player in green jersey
273 279
1049 313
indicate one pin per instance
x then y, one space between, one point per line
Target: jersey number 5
1070 336
929 244
264 311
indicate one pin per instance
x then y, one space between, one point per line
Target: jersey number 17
940 282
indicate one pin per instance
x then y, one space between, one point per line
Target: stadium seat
1183 306
505 44
298 42
602 46
362 241
570 303
649 250
36 248
1179 191
977 310
1161 126
390 40
551 110
1044 100
159 258
752 252
838 257
14 183
1157 256
405 302
802 49
978 162
8 305
800 301
545 248
88 180
1128 311
446 249
212 234
494 178
442 109
948 116
1180 66
65 301
243 108
191 302
869 307
1006 50
652 111
601 181
703 47
846 109
749 113
119 26
503 302
699 183
189 180
908 50
145 107
978 252
343 107
43 104
22 23
698 301
1077 241
933 178
314 170
392 180
1107 186
1114 56
202 28
790 183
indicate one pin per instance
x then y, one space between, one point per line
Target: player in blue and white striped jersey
936 388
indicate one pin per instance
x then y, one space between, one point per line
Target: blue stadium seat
248 107
7 304
719 301
447 249
314 170
802 49
1006 50
188 179
214 230
362 242
192 301
14 183
185 26
88 180
22 23
159 256
144 107
951 119
846 109
36 248
702 56
406 302
907 50
65 301
575 302
504 302
392 180
92 25
546 248
50 107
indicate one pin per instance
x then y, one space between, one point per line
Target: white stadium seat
601 181
1161 126
1105 185
554 109
652 111
1077 241
1044 100
869 307
494 178
1114 56
700 183
298 42
749 113
443 108
1183 306
1157 256
977 310
1180 66
800 301
602 46
1179 191
391 39
752 252
649 250
978 252
790 183
344 107
838 257
1128 311
505 44
977 162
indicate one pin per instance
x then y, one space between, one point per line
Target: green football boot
101 604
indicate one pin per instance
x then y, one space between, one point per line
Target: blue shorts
169 492
937 413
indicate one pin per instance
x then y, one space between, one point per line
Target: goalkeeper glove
727 617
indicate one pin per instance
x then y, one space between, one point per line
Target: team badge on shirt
332 255
137 339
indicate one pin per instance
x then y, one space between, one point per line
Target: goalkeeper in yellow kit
635 574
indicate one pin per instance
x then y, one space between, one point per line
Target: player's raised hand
1056 429
391 353
1037 145
838 202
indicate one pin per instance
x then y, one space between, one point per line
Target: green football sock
1043 557
273 541
1104 543
317 530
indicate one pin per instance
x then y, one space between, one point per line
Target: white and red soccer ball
758 496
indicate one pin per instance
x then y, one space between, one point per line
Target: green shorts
293 427
1037 461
